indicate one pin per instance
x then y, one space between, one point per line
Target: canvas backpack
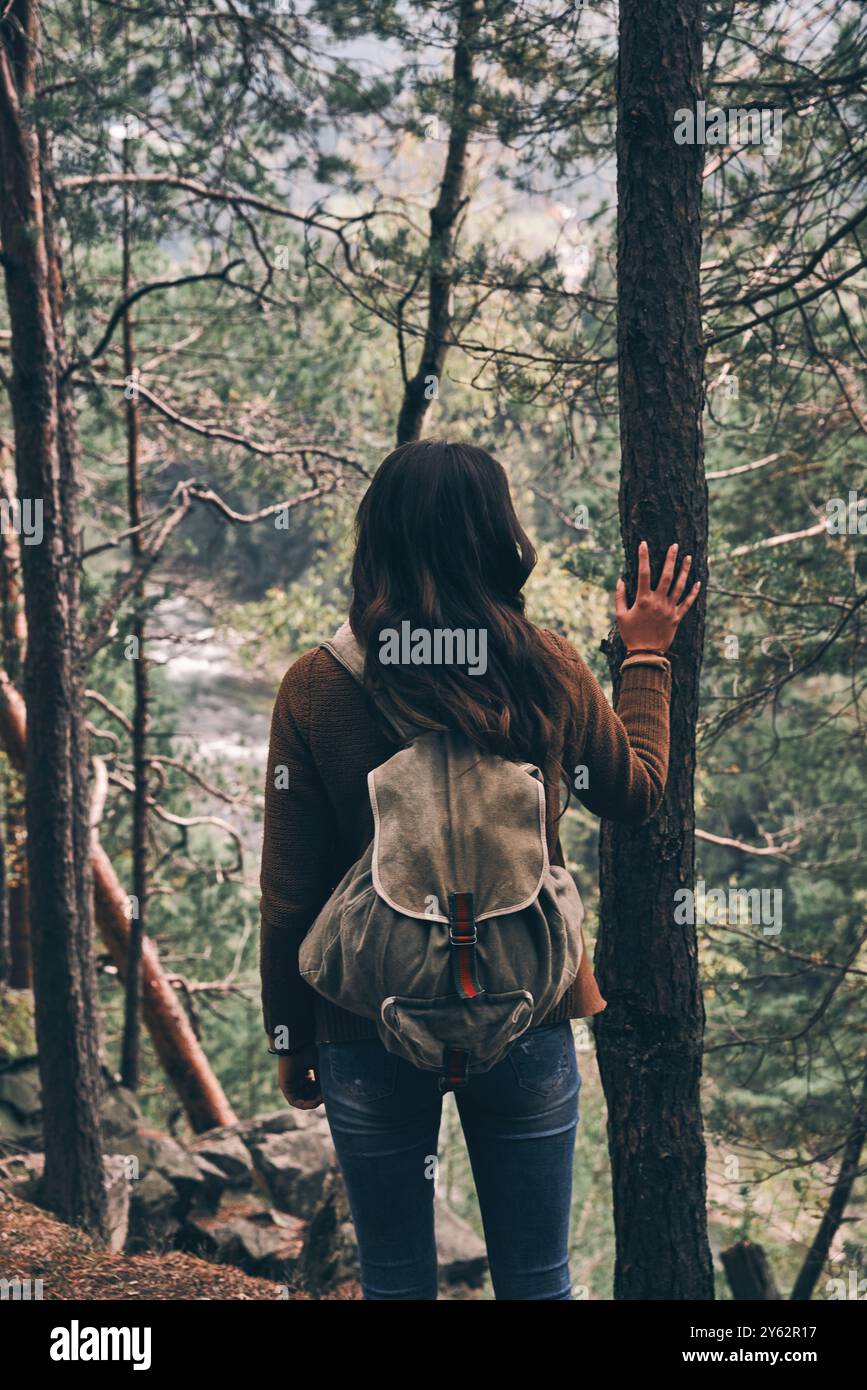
452 931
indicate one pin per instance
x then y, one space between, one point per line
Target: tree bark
20 956
5 945
749 1273
130 1059
56 783
441 244
17 968
178 1049
649 1038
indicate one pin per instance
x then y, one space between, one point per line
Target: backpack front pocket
485 1026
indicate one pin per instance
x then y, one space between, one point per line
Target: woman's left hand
654 617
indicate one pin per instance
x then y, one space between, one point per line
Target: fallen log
178 1049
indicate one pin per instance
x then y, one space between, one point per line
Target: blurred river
223 711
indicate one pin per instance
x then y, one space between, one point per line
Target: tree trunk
17 965
179 1051
20 957
130 1060
441 244
56 784
5 946
830 1223
649 1038
749 1273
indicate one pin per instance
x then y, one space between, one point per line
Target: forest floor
72 1266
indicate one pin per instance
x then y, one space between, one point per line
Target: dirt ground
36 1246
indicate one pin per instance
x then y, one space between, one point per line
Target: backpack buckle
459 937
455 1072
463 939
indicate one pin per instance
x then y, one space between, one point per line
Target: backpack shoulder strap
345 649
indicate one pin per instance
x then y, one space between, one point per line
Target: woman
438 544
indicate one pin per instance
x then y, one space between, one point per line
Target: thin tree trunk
129 1069
5 956
749 1273
5 850
649 1038
56 785
15 930
14 622
830 1223
179 1051
20 955
418 389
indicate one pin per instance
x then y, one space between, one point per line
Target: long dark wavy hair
438 543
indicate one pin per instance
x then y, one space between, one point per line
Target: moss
17 1028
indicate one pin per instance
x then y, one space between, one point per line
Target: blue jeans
519 1120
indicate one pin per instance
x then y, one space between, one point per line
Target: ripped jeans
519 1120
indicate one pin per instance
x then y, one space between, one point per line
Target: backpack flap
449 819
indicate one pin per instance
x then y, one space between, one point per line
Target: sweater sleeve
619 759
297 853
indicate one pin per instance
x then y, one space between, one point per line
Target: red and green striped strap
462 939
455 1070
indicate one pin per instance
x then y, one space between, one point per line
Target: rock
246 1233
121 1115
21 1103
292 1167
226 1151
214 1184
153 1213
25 1170
279 1122
117 1192
461 1253
275 1122
330 1249
172 1162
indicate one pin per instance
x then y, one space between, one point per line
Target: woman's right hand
653 619
299 1088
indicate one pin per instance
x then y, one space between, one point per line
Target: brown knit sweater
318 821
